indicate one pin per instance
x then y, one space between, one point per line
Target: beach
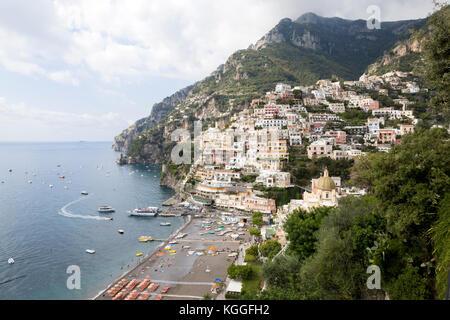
191 266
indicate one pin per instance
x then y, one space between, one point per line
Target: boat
10 260
84 193
91 251
51 186
145 238
165 224
139 254
120 231
173 242
144 212
61 177
105 209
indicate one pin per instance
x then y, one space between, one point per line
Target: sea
46 225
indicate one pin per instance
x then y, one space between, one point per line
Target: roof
234 286
325 182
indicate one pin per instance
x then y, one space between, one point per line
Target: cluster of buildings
253 149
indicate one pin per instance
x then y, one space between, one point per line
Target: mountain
296 52
405 56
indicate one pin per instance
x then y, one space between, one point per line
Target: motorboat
10 260
105 209
84 193
164 224
144 212
120 231
90 251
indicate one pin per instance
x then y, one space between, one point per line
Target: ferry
105 209
165 224
144 212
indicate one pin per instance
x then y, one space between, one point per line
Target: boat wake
68 214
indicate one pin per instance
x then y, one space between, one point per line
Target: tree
255 232
301 227
257 219
410 180
239 272
437 59
337 269
270 248
409 285
281 272
251 254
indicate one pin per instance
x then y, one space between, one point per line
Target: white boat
165 224
144 212
10 260
51 186
91 251
173 242
84 193
120 231
105 209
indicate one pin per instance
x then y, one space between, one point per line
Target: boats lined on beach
144 212
105 209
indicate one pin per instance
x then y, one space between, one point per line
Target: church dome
325 182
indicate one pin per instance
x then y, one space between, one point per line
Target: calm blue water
48 229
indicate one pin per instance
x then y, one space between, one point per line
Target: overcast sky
85 70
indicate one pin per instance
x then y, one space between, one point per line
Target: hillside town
252 151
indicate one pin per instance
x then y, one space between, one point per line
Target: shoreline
187 222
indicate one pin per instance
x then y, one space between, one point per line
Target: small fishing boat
10 260
105 209
91 251
164 224
84 193
120 231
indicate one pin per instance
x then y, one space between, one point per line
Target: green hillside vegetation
402 226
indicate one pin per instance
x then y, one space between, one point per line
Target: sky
86 70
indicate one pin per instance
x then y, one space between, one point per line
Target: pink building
339 136
263 205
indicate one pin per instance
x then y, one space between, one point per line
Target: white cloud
20 112
173 38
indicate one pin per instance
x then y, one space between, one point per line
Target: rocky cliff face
404 56
123 141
